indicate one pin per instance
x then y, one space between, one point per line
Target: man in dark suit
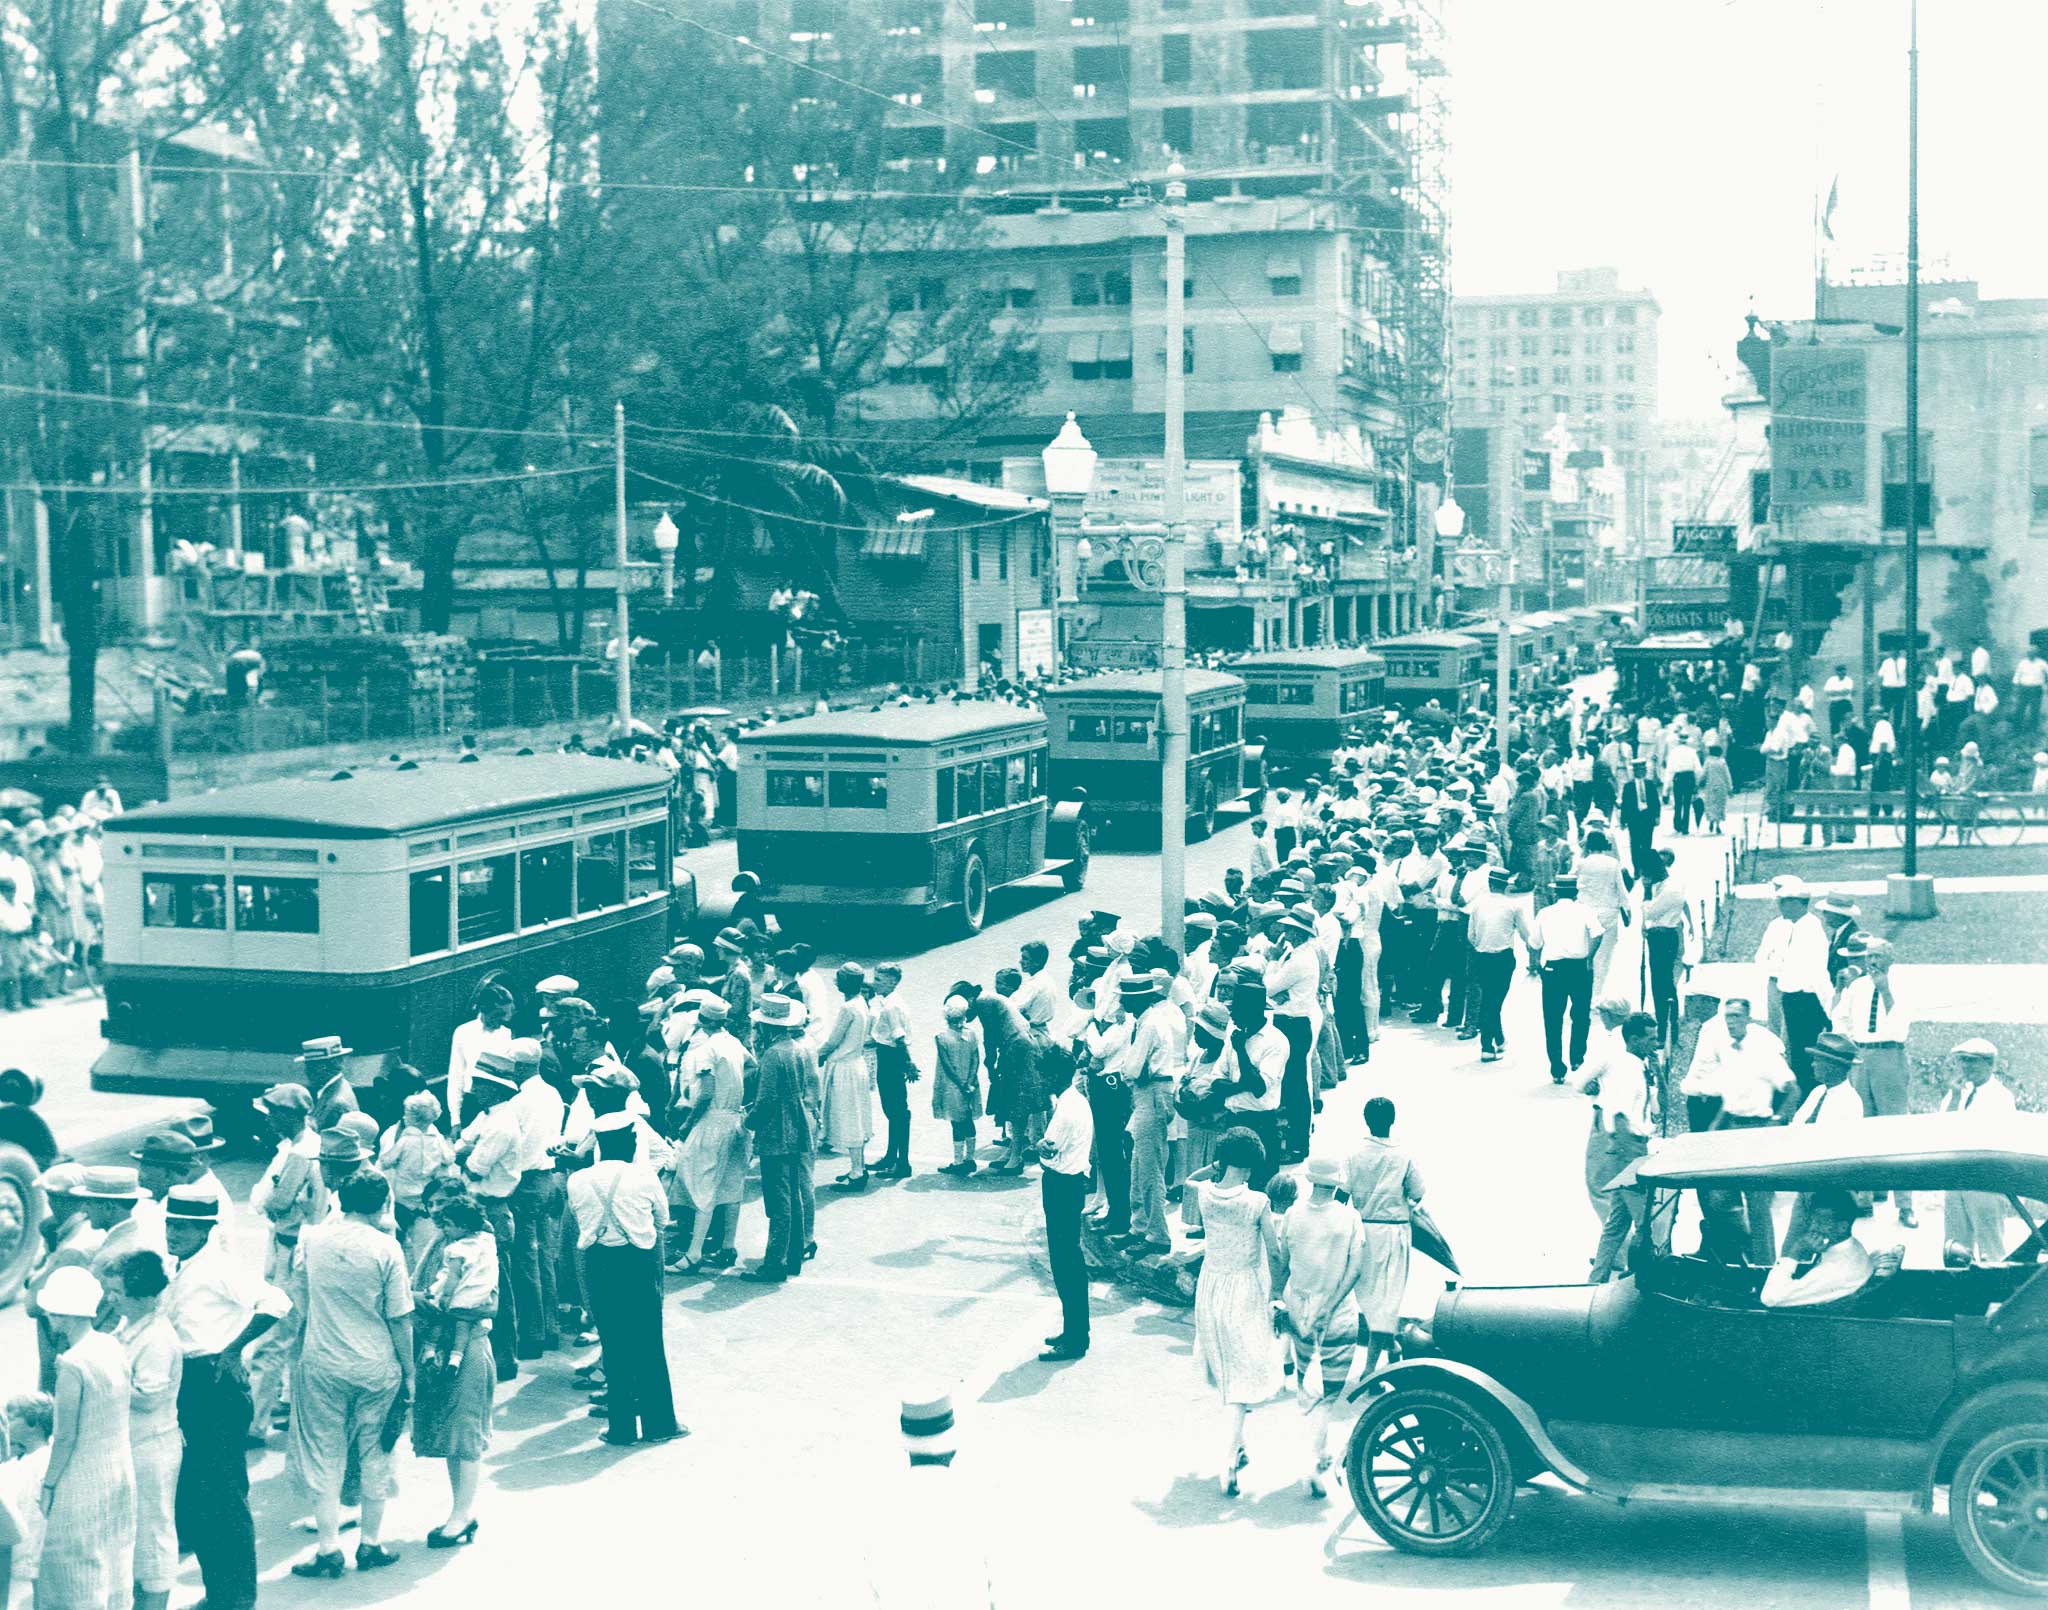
1640 806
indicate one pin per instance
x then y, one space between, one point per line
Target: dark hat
1498 876
339 1146
168 1148
1138 987
285 1098
1834 1048
1103 919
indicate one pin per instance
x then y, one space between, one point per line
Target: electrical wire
824 525
130 489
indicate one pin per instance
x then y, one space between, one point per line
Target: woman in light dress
1603 890
849 1084
89 1489
156 1365
1385 1188
711 1157
1234 1334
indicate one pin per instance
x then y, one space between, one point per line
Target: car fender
2000 1402
1469 1382
1061 824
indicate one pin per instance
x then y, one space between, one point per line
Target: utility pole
1504 654
1173 637
623 677
1910 896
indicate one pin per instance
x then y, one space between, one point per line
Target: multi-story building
1310 137
1836 491
1584 353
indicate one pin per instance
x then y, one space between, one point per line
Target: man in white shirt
1962 695
1884 752
492 1155
1980 662
1682 769
538 1202
1567 936
1294 979
1738 1080
487 1029
1494 924
621 1210
1892 672
1794 956
1975 1224
2028 679
1624 1119
1063 1154
1283 815
1834 1099
1830 1266
1840 689
1159 1048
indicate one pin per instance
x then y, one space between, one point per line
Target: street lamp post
1069 473
667 539
1173 684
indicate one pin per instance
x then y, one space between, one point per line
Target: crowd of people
50 921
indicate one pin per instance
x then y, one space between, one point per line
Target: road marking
899 1288
1884 1542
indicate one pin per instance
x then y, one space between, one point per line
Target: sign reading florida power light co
1819 401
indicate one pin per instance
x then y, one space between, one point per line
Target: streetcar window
967 781
1088 729
1131 730
600 871
544 884
646 859
992 785
1226 725
277 905
945 795
1261 693
796 788
429 893
483 899
183 900
1294 693
859 790
1038 758
1017 779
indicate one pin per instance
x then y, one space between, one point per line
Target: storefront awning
1085 346
1283 266
1116 346
894 542
1284 338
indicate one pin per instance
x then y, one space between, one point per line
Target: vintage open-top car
1677 1383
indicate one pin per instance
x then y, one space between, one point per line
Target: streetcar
1304 704
920 808
1524 657
1106 748
370 905
1443 666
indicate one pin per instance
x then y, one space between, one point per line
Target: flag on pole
1827 216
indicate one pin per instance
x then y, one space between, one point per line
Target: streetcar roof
1430 640
1309 659
385 801
901 725
1125 684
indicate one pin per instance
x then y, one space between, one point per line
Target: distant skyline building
1585 352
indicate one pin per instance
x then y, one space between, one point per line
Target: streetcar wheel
1430 1472
1074 875
21 1218
1998 1508
973 894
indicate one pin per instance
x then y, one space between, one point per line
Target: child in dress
411 1153
25 1426
956 1083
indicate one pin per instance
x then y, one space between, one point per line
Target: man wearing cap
1446 978
88 1206
1492 927
1158 1053
1794 956
1567 937
538 1201
1416 872
1256 1058
1293 988
488 1028
621 1210
1975 1224
492 1155
779 1119
217 1309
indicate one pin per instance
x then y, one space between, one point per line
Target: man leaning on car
1739 1079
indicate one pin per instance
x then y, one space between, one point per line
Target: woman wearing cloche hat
88 1495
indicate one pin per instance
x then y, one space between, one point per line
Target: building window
1532 406
2037 475
1625 373
1503 377
1560 318
974 557
1085 290
1624 342
1624 403
1177 129
1895 481
1532 376
1176 59
1283 275
1595 345
1531 346
1593 316
1529 318
1022 290
1116 288
1498 318
1560 403
1468 349
1590 374
1561 374
1560 346
1624 315
183 900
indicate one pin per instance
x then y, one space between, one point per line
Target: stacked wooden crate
413 684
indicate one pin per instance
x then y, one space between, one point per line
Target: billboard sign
1684 609
1709 541
1035 650
1819 408
1134 489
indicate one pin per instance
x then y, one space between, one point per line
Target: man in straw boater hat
1794 955
490 1154
927 1546
323 1067
218 1308
785 1140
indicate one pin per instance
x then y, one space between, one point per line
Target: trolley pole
1173 682
623 676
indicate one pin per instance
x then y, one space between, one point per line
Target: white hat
71 1292
1976 1048
1789 886
926 1421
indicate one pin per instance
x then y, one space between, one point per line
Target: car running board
1762 1497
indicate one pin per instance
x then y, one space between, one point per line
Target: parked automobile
1679 1384
27 1148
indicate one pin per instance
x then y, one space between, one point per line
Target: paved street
1100 1476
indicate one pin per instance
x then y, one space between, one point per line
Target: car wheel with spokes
21 1215
1998 1508
1430 1472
